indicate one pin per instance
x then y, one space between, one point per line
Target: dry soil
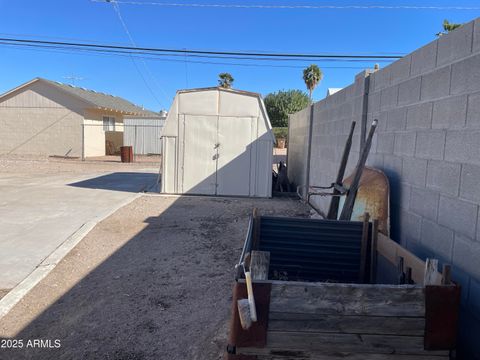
152 281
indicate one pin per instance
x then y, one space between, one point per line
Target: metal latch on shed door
217 155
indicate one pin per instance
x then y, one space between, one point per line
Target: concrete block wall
298 146
332 118
428 144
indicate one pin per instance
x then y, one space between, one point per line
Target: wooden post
446 274
431 269
259 264
256 229
352 192
373 252
363 249
400 272
408 276
333 210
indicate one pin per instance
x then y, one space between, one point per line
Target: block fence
427 143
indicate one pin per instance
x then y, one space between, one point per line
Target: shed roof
93 98
220 88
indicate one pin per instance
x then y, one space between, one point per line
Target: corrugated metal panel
144 135
312 250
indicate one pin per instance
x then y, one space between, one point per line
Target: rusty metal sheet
373 197
256 336
441 316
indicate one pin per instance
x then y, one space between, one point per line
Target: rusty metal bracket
256 335
441 316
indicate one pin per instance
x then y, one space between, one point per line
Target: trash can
126 154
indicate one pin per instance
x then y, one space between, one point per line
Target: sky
153 83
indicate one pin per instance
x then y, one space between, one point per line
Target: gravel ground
152 281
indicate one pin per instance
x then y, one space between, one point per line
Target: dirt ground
152 281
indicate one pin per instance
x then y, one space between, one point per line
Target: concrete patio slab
39 212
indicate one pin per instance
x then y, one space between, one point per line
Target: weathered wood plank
259 264
363 249
350 343
391 251
431 271
387 325
268 354
373 252
447 274
347 299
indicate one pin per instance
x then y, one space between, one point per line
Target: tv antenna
72 78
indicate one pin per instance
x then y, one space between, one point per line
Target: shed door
234 148
199 158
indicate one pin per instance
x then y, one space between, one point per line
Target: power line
83 52
163 57
23 35
42 37
292 7
124 25
201 52
156 55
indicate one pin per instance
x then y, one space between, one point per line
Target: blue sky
270 30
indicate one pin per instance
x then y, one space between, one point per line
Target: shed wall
216 107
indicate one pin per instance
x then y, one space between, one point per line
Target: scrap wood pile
336 289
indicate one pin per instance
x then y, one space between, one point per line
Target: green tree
225 80
312 76
284 102
447 27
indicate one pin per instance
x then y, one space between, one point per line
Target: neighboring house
44 117
331 91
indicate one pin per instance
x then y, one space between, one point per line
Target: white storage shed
217 141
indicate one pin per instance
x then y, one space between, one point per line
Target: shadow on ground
121 181
163 292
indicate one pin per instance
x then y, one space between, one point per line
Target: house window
108 123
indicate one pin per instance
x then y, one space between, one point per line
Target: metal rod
352 193
333 210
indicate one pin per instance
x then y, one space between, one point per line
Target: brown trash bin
126 154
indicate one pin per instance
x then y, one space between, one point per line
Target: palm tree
225 80
447 27
312 76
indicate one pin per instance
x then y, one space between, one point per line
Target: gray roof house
43 117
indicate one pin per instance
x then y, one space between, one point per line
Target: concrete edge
15 295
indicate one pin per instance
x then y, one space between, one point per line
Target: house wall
94 135
428 144
33 122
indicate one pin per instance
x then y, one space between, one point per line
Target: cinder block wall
298 139
428 144
332 118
